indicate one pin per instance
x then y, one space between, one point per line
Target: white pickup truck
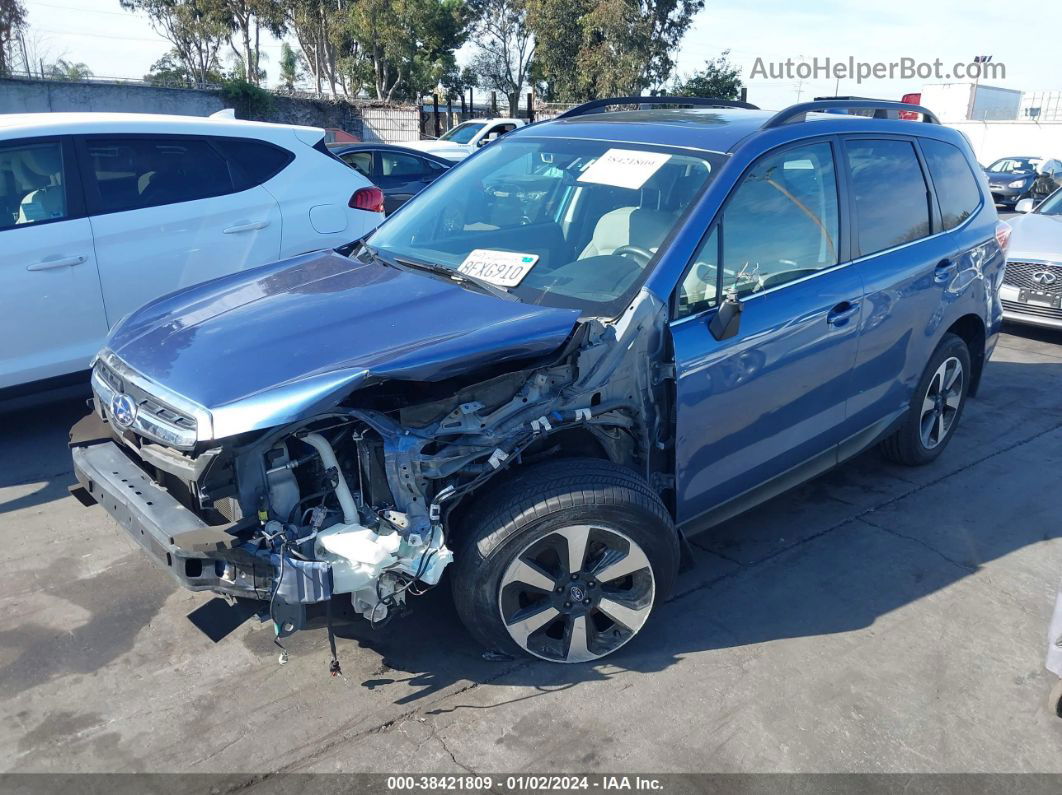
461 141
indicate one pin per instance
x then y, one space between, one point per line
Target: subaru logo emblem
1044 277
123 409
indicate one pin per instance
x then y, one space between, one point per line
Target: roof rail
881 108
706 102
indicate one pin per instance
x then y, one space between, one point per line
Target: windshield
462 133
563 223
1052 205
1014 165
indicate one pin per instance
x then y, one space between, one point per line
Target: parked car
401 173
1011 178
100 213
1032 285
464 139
604 333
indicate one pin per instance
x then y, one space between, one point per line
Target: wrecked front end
360 499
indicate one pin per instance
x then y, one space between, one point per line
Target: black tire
527 515
908 445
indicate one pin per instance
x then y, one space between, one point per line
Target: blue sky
1025 38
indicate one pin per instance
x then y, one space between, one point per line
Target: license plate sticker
503 268
624 168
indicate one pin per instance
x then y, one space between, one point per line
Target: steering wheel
636 253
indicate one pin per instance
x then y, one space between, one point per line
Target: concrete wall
41 96
995 139
367 122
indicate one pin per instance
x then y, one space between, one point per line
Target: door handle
55 262
245 226
943 271
842 313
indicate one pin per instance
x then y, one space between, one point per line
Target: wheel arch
971 329
565 444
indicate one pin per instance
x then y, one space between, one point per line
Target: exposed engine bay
362 500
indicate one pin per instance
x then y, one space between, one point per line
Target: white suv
100 213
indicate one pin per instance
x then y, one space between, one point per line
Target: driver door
765 409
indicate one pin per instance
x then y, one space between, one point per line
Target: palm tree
63 69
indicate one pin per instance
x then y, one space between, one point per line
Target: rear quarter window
956 187
255 161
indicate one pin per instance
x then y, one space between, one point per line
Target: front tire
565 561
936 406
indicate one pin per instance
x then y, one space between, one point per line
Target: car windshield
1014 165
1052 205
568 223
462 133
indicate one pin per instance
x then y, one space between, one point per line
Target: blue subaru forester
592 338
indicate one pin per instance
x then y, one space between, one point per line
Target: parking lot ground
877 619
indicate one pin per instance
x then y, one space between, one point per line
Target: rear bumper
173 537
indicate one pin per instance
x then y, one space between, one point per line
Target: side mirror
726 321
1024 206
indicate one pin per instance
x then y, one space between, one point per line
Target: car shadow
34 457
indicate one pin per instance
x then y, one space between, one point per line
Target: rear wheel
566 562
936 406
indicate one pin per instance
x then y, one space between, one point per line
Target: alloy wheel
576 594
941 403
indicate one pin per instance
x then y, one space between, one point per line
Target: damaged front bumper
177 540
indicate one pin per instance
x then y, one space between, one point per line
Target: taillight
1003 235
371 199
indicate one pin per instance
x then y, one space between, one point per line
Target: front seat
628 226
43 166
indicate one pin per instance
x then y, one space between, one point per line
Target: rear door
766 406
907 266
53 320
171 211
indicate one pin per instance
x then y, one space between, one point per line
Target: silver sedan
1032 286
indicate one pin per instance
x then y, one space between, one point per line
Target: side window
956 186
132 173
32 183
891 198
360 162
257 161
393 164
780 224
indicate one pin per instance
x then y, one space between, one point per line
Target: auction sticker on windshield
503 268
624 168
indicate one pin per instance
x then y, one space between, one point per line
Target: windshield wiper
440 270
460 278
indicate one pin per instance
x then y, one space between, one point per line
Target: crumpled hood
1036 236
269 345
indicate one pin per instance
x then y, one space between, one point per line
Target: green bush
248 100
